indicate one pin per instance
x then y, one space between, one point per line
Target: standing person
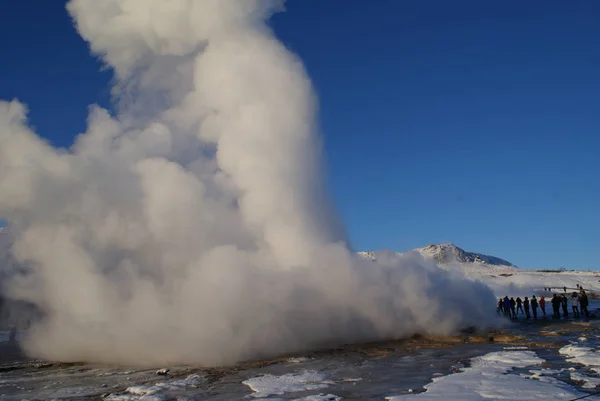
506 306
543 306
513 305
12 337
534 306
519 305
584 302
556 306
526 306
500 307
564 306
575 304
565 288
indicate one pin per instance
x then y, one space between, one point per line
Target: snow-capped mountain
448 254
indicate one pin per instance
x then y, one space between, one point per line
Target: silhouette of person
534 306
519 305
543 306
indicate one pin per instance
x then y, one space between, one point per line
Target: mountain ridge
448 253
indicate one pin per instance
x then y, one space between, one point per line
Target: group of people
510 307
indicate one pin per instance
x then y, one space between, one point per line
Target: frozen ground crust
156 392
268 385
587 356
488 379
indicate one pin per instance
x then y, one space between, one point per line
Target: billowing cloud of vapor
194 226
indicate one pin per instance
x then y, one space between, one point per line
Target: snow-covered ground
467 372
519 282
269 385
500 275
490 378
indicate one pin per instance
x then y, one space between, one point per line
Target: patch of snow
543 374
588 381
155 392
582 355
488 378
126 397
268 385
299 359
319 397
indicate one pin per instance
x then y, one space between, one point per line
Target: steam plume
194 226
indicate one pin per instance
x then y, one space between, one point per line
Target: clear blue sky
473 122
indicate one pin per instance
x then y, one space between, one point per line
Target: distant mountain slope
450 254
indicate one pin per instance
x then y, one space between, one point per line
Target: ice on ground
126 397
319 397
587 381
268 385
543 375
583 355
299 359
488 378
156 392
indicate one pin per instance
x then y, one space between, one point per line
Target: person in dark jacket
526 306
565 306
500 307
556 306
519 305
584 303
534 306
513 305
506 306
12 336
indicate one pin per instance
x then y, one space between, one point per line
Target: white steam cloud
194 227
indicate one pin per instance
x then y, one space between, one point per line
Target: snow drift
194 226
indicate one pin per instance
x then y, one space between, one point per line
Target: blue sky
462 121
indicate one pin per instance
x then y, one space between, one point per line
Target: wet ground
358 372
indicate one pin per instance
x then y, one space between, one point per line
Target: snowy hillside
451 256
528 282
501 276
450 253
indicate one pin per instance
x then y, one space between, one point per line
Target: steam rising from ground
194 227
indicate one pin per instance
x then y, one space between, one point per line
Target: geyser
194 226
